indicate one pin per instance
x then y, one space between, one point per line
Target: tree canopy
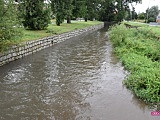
35 14
104 10
152 13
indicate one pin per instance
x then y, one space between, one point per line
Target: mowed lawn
52 29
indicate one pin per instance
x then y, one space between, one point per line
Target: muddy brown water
79 79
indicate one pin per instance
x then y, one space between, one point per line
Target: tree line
36 14
149 15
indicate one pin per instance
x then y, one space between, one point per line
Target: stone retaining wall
17 52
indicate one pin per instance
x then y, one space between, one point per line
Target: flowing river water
79 79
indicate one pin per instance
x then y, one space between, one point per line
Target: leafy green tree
83 13
135 15
58 9
68 7
152 13
92 9
62 9
87 9
128 13
106 10
120 7
9 23
80 9
114 10
141 16
36 16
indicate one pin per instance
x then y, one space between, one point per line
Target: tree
68 7
58 9
86 9
135 15
83 13
106 10
80 9
36 16
152 13
120 7
114 10
9 24
92 9
141 16
128 14
62 9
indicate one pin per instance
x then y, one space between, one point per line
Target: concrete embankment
27 48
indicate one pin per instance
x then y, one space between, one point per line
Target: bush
9 32
151 19
118 34
8 21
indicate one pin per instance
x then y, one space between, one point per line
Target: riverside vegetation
139 51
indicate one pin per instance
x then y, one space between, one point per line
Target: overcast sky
145 4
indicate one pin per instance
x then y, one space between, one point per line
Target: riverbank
25 48
139 51
78 79
53 29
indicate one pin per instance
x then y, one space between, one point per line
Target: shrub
118 34
151 19
8 21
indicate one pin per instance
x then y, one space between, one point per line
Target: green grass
141 21
136 23
139 52
53 29
154 30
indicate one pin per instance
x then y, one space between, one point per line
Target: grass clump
139 52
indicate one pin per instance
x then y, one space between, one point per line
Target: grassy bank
52 29
136 23
139 51
150 30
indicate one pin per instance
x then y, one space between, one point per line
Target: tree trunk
68 19
86 19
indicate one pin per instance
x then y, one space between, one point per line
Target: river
79 79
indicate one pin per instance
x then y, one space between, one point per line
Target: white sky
145 4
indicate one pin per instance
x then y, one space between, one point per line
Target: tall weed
118 34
